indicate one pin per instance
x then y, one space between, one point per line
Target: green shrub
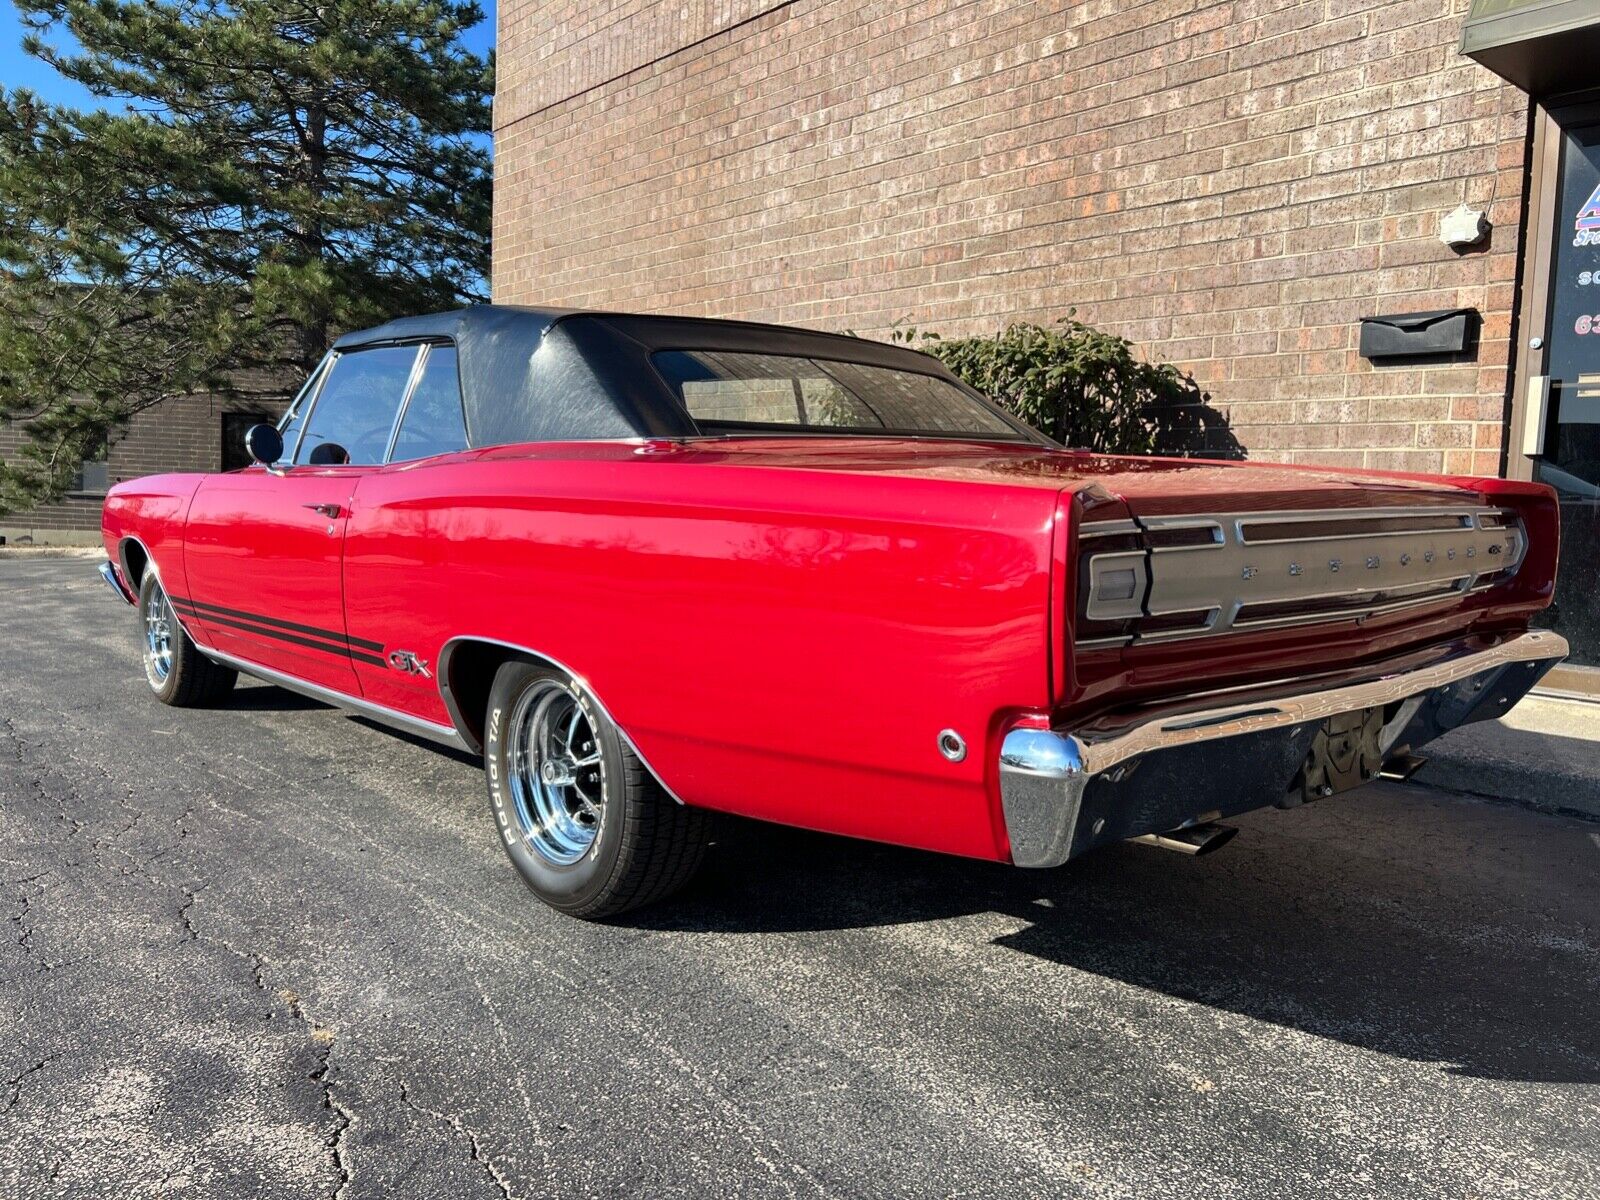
1077 384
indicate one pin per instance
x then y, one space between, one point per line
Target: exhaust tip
1193 840
1402 766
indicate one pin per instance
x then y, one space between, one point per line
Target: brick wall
178 435
1230 183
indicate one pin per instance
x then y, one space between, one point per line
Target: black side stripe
188 610
326 635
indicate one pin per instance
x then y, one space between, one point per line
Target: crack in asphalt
24 936
321 1036
24 931
33 779
475 1147
16 1081
189 897
343 1118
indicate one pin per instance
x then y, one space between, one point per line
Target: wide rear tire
586 825
177 672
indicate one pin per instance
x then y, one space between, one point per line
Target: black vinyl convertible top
555 374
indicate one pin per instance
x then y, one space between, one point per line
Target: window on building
353 414
433 421
94 474
234 426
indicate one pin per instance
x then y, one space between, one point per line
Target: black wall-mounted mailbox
1410 335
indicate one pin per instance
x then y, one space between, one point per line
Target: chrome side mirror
264 443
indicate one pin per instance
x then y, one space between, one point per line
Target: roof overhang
1545 47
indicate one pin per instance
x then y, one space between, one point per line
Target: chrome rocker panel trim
404 722
1063 792
393 718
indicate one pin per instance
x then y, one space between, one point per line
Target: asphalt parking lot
273 951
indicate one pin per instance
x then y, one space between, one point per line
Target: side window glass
433 423
354 414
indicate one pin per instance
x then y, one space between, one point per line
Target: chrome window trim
313 385
313 380
337 356
461 402
417 367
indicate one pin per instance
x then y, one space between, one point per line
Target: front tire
586 825
177 672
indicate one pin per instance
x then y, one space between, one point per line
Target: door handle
331 511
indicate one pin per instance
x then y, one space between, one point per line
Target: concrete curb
1543 754
52 552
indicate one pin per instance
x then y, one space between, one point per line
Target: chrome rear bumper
1067 791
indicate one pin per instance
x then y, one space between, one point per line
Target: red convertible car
654 568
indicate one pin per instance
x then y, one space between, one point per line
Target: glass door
1562 420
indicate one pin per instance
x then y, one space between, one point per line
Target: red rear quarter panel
785 643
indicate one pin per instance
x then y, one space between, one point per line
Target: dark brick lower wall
179 435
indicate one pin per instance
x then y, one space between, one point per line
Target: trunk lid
1150 485
1221 574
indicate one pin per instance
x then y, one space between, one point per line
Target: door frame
1529 351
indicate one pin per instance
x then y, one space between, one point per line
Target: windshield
730 391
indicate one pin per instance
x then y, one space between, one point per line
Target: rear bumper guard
1064 792
114 582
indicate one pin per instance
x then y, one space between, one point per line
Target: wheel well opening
469 677
467 668
134 561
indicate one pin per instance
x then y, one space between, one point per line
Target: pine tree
261 177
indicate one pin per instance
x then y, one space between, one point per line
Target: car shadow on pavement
265 697
268 697
1364 951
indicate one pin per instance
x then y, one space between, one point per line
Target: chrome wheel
157 635
556 773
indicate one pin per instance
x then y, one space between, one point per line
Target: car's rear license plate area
1346 752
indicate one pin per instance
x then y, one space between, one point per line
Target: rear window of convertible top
734 391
